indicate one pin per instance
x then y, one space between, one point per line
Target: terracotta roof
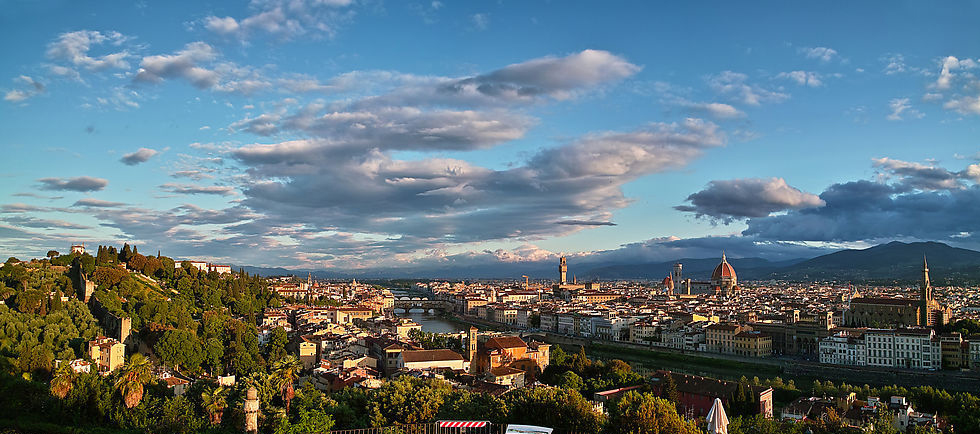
175 381
723 270
503 371
411 356
503 342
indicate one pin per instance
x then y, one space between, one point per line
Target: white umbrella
717 420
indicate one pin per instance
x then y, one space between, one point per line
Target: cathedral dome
723 271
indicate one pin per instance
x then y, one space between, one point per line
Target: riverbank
647 359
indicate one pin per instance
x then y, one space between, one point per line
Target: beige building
107 353
753 344
720 338
402 326
347 315
308 354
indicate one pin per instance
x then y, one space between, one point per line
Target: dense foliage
576 371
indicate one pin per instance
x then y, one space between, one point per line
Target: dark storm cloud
728 200
866 210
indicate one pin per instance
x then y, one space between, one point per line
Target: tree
214 401
668 389
52 254
63 380
126 253
137 262
276 349
759 424
562 409
570 380
176 415
645 413
180 348
463 405
55 303
135 374
407 400
285 372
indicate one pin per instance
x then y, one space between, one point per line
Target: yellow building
720 338
753 344
107 353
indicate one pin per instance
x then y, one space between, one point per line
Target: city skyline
317 134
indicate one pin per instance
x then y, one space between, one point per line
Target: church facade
899 312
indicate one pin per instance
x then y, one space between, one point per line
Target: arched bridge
409 303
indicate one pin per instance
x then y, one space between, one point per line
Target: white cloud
736 85
183 64
950 64
197 63
902 110
480 21
894 64
823 54
222 26
803 78
284 19
968 105
74 48
716 110
30 88
220 190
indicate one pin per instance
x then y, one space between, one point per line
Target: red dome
723 271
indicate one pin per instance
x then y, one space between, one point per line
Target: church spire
723 259
925 273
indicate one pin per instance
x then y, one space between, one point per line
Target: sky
350 134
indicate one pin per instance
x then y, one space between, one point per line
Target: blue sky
367 134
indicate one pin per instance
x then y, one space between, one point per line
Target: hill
893 261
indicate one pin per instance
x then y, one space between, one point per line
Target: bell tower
562 271
925 295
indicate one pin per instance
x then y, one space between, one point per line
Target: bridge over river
427 304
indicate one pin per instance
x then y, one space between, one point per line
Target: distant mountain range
895 261
892 261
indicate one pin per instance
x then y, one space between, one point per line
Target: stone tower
471 348
562 271
925 295
676 275
251 410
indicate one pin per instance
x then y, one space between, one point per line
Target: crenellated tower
562 271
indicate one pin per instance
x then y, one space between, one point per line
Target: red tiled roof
430 355
503 342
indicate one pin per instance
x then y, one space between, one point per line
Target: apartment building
844 348
903 348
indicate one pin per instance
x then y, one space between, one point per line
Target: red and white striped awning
462 424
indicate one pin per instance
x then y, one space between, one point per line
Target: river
433 323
